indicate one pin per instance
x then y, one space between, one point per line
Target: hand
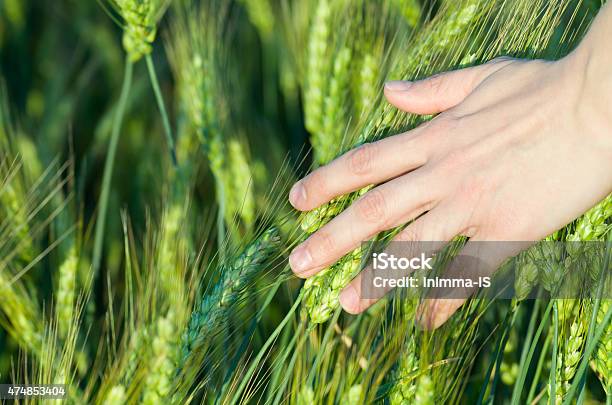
519 149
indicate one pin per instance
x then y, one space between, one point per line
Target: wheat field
147 148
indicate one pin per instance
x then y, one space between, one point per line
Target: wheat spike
424 394
602 358
404 389
66 292
158 382
325 142
318 66
208 317
261 16
140 19
116 396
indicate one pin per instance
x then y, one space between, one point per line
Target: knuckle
410 234
361 159
442 125
476 187
372 207
323 242
454 160
315 183
434 84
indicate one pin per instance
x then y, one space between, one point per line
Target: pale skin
519 148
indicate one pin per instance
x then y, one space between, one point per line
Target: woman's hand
519 149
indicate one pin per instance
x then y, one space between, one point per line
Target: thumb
440 92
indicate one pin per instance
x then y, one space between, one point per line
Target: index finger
371 163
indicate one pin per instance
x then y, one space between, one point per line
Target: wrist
588 70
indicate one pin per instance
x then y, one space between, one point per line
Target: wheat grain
197 60
509 367
527 276
12 203
305 396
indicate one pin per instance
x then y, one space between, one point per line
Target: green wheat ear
602 359
158 382
198 59
405 386
411 11
208 317
140 19
66 292
261 16
116 396
325 142
594 224
318 66
570 355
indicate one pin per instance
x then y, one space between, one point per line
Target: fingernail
297 193
398 85
348 298
300 260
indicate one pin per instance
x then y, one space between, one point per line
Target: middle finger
382 208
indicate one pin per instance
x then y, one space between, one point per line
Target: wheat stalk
353 396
